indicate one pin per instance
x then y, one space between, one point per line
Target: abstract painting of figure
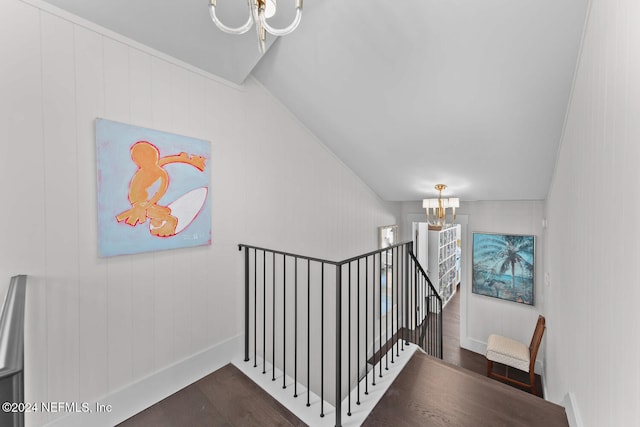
153 189
503 266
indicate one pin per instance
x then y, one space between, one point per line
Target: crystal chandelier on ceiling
259 12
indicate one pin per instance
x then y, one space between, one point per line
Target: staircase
326 338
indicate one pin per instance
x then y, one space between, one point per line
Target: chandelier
437 209
259 12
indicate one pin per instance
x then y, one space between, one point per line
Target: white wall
486 315
96 325
594 232
480 315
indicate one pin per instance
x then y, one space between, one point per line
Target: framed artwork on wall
153 189
503 266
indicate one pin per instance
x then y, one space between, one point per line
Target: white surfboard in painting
187 207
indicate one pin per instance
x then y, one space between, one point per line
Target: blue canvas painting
503 266
153 189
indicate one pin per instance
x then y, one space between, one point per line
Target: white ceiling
408 94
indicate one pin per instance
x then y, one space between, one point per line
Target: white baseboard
571 407
138 396
473 345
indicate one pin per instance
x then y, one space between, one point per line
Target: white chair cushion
508 352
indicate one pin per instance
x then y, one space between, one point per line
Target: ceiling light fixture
259 11
439 209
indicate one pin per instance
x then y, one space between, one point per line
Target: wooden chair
516 355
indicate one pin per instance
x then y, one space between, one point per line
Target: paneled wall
487 315
594 230
480 315
97 325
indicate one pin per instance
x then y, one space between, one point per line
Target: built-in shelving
443 269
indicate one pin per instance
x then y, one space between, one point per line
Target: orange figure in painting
150 171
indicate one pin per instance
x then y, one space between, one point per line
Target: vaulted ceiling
408 94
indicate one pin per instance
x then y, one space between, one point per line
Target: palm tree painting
503 266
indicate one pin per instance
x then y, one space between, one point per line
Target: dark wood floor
430 393
228 398
454 354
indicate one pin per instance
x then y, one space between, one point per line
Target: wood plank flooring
228 398
429 392
454 354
